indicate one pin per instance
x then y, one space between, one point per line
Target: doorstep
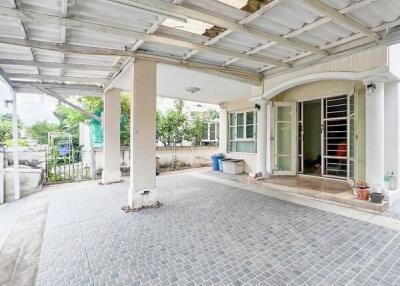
332 191
344 197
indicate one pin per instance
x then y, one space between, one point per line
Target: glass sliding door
285 157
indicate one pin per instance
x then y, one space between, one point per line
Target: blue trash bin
215 161
220 163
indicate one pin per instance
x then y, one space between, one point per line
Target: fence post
93 164
1 175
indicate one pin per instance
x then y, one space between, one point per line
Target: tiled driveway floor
208 234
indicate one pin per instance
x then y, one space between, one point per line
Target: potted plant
362 190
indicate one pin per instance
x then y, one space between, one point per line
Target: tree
172 128
69 119
6 132
197 128
39 131
5 128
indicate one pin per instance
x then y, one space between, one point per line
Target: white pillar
143 190
392 126
375 135
2 198
262 137
111 126
17 194
223 129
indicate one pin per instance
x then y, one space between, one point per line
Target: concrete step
345 198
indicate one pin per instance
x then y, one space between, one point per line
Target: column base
108 177
145 198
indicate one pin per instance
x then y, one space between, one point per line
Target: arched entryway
312 125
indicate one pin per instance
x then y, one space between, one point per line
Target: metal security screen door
338 137
285 157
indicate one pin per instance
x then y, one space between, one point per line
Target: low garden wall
186 156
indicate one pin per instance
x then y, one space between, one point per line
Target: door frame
294 153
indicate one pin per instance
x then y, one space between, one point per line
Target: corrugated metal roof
118 20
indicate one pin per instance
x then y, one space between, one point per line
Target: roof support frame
236 74
327 10
56 65
154 6
44 90
245 20
315 24
17 4
91 26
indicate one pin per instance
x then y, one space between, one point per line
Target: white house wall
366 61
316 90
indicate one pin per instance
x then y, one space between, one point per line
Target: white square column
392 125
143 190
223 129
375 135
262 137
111 128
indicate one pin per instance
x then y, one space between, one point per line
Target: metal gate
63 161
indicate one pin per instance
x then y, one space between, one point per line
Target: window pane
232 121
212 135
250 131
246 146
212 127
232 133
283 163
284 138
232 146
240 118
240 132
249 118
205 131
284 113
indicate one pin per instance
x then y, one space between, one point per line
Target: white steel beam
159 5
327 10
54 65
56 78
67 102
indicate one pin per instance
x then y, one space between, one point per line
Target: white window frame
216 131
244 139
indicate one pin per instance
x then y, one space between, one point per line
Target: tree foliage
39 131
172 127
6 131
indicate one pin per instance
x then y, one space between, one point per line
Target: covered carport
146 47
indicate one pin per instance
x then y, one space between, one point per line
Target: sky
36 107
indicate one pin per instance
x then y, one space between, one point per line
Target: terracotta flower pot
363 194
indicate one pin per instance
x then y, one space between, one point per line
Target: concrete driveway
206 233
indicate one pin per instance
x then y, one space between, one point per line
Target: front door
284 139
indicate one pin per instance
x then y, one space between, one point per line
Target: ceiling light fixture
192 89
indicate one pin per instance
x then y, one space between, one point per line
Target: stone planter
31 181
377 198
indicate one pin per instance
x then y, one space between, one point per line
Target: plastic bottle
392 182
386 180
